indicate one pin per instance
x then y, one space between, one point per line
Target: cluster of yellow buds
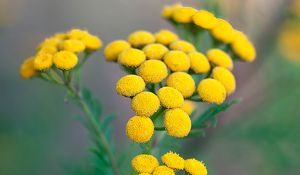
146 164
59 51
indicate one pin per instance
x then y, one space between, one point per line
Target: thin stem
161 128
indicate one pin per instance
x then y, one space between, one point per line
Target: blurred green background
38 133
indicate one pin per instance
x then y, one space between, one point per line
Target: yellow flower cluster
60 50
172 162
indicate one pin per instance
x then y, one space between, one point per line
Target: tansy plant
168 77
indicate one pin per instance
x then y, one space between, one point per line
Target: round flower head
73 45
168 11
52 41
220 58
77 34
183 46
155 51
173 160
243 47
145 104
163 170
165 37
194 167
226 78
91 42
113 49
65 60
144 163
43 61
27 69
223 31
199 62
211 91
139 129
130 85
170 97
60 36
177 123
184 14
141 38
131 57
153 71
177 61
183 82
48 49
188 107
205 19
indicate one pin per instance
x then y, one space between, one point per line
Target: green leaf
93 103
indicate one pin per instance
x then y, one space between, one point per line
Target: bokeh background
38 133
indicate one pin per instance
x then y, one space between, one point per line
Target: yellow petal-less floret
223 31
173 160
188 107
184 14
195 167
145 104
220 58
52 41
130 85
139 129
43 61
177 61
113 49
144 174
163 170
65 60
48 49
165 37
170 97
168 11
243 47
212 91
153 71
177 123
141 38
199 62
27 69
144 163
91 42
155 51
131 57
73 45
183 46
183 82
77 34
205 19
226 78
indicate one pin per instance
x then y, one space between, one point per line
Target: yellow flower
165 37
139 129
177 61
153 71
132 57
52 41
113 49
195 167
205 19
223 31
188 107
73 45
91 42
43 61
183 46
211 91
199 62
183 82
184 14
155 51
177 123
225 77
168 11
163 170
145 104
144 174
173 160
27 69
77 34
220 58
170 97
141 38
243 47
65 60
144 163
130 85
60 36
48 49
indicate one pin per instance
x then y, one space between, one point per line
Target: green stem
160 128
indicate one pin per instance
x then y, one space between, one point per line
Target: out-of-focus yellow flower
130 85
73 45
48 49
51 41
295 7
168 11
153 71
139 129
188 107
113 49
243 47
27 69
163 170
145 104
92 42
165 37
177 61
144 163
60 36
199 62
141 38
43 61
65 60
132 57
223 31
184 14
144 174
170 97
220 58
195 167
177 123
77 34
183 46
212 91
205 19
155 51
226 78
173 160
183 82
